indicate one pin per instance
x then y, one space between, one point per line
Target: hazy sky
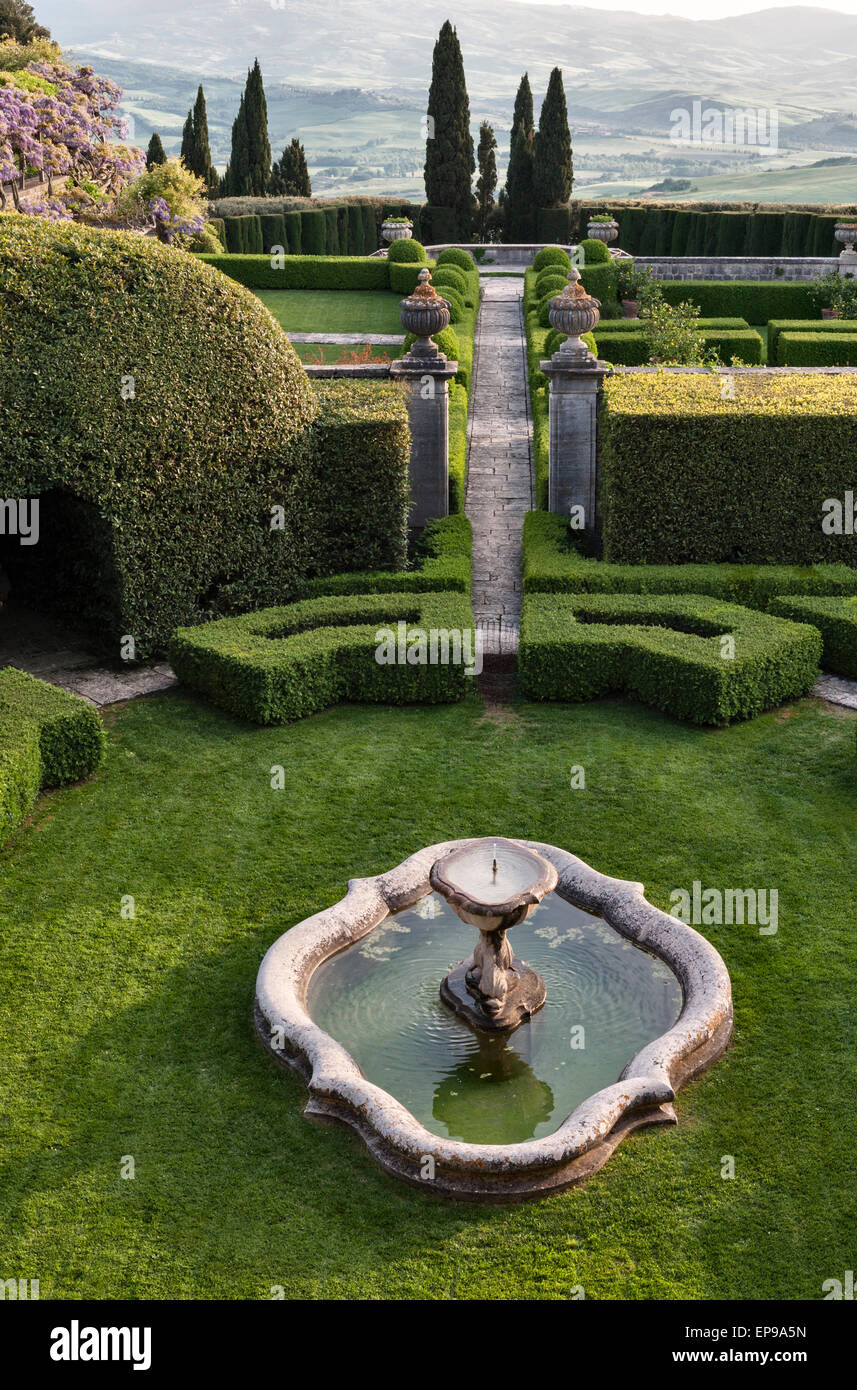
706 9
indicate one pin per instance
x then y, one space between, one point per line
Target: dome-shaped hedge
456 255
552 255
595 252
406 249
161 413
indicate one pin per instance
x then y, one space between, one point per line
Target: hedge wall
304 272
755 300
442 561
284 663
166 493
665 650
688 475
47 738
817 349
836 620
778 326
743 230
631 349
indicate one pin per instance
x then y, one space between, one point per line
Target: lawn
134 1037
319 353
334 311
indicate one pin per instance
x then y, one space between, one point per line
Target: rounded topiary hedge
552 255
406 249
450 275
162 413
595 252
446 339
549 283
456 255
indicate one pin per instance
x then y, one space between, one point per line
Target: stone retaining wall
739 267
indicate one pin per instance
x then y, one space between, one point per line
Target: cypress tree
155 153
199 155
290 175
449 163
186 152
487 181
520 199
552 164
237 170
258 145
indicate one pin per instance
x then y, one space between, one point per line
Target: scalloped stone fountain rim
583 1142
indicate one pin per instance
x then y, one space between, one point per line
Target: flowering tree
55 120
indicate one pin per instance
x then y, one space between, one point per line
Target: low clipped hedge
284 663
640 325
632 349
817 349
304 272
551 255
689 475
48 738
600 281
157 507
549 283
755 300
443 561
778 326
836 620
666 651
403 276
456 255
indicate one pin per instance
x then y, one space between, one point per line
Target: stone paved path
500 456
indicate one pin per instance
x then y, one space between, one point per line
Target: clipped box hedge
666 651
304 272
689 475
48 738
778 326
443 560
284 663
157 505
640 325
755 300
817 349
632 349
836 620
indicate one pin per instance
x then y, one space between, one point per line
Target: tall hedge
690 475
162 434
313 236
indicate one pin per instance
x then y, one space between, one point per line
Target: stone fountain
493 885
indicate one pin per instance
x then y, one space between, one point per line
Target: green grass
135 1037
336 353
334 311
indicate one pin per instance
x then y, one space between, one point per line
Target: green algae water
379 999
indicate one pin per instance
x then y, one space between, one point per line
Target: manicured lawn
331 352
135 1037
334 311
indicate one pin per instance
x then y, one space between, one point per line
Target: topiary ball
552 255
594 252
406 249
446 339
550 283
457 307
456 255
451 275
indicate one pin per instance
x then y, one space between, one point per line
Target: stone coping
339 1091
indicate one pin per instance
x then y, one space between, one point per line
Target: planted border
667 651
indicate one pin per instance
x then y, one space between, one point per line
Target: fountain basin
493 1172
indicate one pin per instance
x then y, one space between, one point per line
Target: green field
134 1037
332 353
334 311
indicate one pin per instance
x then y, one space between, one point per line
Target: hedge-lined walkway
500 457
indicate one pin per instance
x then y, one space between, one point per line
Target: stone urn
846 232
603 231
424 313
396 231
574 312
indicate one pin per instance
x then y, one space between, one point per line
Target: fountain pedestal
493 885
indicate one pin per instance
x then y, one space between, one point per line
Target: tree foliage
290 174
450 164
487 181
552 162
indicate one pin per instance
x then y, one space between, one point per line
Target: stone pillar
573 476
426 381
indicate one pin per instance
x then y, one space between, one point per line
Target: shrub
552 255
48 738
331 231
457 444
688 475
157 506
817 349
553 224
456 255
836 620
778 326
553 564
450 275
755 300
403 276
304 272
665 650
407 249
600 281
294 242
284 663
633 349
621 325
313 237
457 307
549 283
443 556
595 252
